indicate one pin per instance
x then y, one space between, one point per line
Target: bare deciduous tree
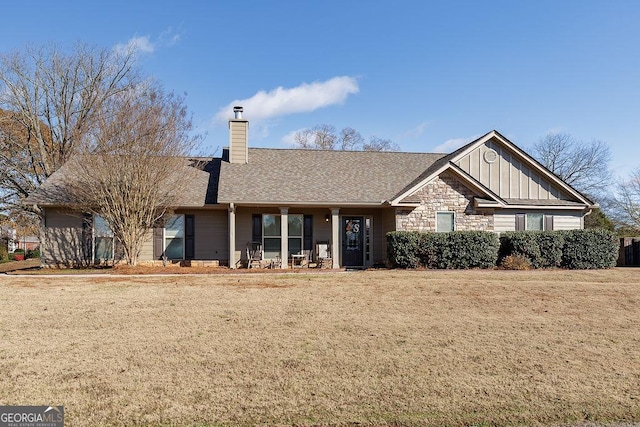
322 137
625 205
325 137
133 170
585 166
50 98
380 144
350 139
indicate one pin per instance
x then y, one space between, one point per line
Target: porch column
335 238
284 236
232 236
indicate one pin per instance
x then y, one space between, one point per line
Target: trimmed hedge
575 249
543 249
590 249
402 249
455 250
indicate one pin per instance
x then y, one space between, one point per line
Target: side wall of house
444 194
211 236
506 221
63 238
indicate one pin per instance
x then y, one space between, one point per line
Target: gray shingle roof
320 176
54 191
293 176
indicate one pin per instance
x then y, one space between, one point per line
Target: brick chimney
238 137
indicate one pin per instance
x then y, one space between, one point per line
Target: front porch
327 237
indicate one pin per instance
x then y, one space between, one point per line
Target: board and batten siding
506 221
508 176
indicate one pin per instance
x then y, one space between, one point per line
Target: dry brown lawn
357 348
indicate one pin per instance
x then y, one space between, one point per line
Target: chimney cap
237 111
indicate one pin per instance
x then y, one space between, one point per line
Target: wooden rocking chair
254 255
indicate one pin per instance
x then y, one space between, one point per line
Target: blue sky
428 75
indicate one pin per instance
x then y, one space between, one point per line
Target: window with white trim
272 234
534 222
174 237
296 222
102 240
445 221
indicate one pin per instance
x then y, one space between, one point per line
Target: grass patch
370 348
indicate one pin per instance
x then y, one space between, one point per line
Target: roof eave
549 207
305 203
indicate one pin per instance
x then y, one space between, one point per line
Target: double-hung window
295 233
102 239
174 237
272 234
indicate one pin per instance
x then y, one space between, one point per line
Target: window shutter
87 237
189 237
521 220
548 222
307 245
256 233
158 244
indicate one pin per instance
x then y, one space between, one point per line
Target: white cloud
416 131
289 139
145 44
556 129
170 37
453 144
300 99
137 45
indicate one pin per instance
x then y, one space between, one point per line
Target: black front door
352 241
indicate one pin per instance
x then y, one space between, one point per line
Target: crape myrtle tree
326 137
49 99
133 169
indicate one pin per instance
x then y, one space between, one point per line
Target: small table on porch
297 260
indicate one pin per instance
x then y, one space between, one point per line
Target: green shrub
590 249
33 253
551 244
521 243
433 250
18 251
458 249
4 252
472 249
543 249
402 249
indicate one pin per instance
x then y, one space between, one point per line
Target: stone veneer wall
445 193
